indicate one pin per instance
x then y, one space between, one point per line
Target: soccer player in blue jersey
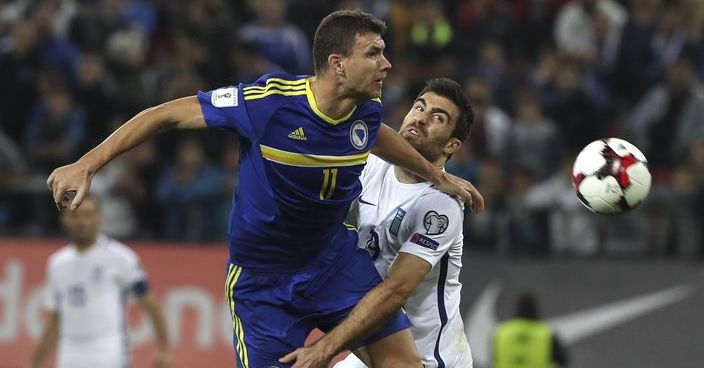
294 265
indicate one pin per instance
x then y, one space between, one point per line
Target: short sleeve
224 108
51 291
432 225
132 275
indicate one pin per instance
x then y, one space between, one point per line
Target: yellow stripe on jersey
277 82
275 86
376 99
306 160
350 226
257 89
314 106
274 92
248 91
232 276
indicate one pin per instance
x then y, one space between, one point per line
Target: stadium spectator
479 20
95 91
490 131
493 67
137 85
248 63
589 29
525 229
572 230
56 127
431 32
534 20
282 43
228 167
95 22
464 163
532 139
186 190
55 49
12 166
20 64
670 42
576 114
633 71
488 231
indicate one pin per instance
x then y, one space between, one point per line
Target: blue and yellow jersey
298 170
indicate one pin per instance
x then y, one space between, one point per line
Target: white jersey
418 219
88 290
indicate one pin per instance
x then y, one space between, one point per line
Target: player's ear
336 65
452 146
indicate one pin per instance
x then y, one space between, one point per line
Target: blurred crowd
545 77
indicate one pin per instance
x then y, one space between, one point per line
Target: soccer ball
611 176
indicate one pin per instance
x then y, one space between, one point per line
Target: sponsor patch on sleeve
424 241
224 97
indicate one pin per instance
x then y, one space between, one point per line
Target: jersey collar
314 107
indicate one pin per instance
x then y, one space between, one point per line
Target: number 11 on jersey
329 181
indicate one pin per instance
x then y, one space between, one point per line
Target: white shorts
92 354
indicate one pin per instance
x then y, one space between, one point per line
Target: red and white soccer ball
611 176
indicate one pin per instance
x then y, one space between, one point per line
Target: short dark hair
336 34
453 91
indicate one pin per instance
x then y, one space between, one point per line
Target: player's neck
330 98
85 244
409 177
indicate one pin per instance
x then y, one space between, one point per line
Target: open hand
314 356
465 190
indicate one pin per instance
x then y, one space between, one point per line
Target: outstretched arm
392 148
406 272
183 113
47 341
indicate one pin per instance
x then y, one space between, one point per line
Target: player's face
429 124
366 67
84 224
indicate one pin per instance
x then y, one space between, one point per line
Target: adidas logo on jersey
298 134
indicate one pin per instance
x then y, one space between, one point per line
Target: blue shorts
274 314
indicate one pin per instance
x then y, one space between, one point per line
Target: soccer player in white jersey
88 281
414 232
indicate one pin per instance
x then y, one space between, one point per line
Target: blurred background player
304 141
524 341
414 232
87 282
